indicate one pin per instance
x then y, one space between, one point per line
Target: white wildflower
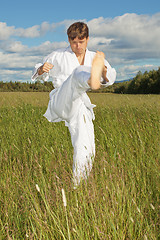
74 230
131 219
151 205
64 198
37 187
145 237
29 141
138 209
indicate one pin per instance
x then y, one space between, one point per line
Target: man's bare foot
96 70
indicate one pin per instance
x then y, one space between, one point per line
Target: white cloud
130 32
35 31
45 27
32 32
14 60
5 31
94 42
46 48
15 75
13 46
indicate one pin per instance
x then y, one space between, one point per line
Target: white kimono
70 103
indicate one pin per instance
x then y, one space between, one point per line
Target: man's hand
104 74
46 67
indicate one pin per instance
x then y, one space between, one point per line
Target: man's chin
80 51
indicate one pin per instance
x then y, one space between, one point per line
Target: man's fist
46 67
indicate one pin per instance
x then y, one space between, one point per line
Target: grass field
119 201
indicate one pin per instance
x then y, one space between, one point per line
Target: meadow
120 199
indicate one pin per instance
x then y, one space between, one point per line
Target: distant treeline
146 83
25 86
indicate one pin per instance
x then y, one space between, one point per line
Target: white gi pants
67 103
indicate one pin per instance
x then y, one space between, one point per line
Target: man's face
78 46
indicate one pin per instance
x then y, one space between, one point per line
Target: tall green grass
120 199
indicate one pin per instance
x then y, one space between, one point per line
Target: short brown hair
78 29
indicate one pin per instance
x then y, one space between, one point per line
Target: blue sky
127 31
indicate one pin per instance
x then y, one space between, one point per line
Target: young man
74 70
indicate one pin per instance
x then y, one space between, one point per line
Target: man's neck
81 58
